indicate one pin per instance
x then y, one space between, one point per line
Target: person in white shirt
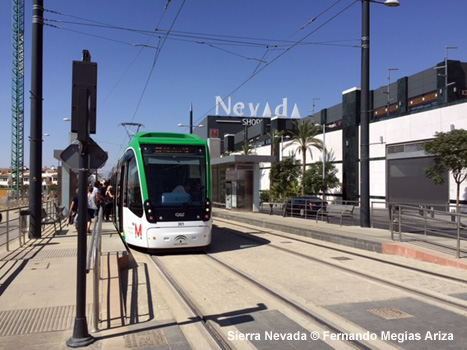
92 206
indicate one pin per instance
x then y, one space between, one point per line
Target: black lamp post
191 126
365 112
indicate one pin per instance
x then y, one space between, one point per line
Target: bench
56 218
342 210
274 205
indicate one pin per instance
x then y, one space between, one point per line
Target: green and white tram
162 188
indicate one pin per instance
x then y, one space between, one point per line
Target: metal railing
13 203
14 223
306 208
94 256
431 224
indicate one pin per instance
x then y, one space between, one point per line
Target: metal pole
458 250
81 335
324 163
35 163
191 119
446 81
365 118
8 230
388 90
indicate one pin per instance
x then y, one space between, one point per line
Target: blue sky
253 48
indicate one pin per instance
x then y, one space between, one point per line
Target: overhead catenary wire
216 41
152 69
206 38
156 58
259 70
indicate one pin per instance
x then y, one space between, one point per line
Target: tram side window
135 203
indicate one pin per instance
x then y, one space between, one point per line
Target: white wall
413 127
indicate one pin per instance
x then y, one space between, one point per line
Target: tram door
119 193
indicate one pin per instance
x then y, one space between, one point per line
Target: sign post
83 122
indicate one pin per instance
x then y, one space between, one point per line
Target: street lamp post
446 82
388 91
191 126
445 75
191 119
324 161
365 112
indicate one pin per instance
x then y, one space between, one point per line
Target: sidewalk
372 239
38 297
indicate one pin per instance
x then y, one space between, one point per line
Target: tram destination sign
172 149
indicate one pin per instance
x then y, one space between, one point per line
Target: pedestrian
73 208
103 191
98 199
92 206
109 200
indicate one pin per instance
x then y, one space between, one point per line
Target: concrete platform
38 297
372 239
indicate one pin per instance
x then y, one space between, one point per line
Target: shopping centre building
404 115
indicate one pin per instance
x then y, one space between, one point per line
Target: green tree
314 177
450 154
246 149
53 188
305 136
275 137
285 176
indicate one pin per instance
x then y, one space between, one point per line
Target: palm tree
275 136
305 136
246 149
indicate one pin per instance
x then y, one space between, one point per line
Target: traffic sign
97 156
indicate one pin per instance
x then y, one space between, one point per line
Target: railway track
339 250
231 292
218 338
223 340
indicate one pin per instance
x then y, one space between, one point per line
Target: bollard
23 224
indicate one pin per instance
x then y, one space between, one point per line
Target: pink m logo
138 231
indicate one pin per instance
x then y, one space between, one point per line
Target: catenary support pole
365 119
35 156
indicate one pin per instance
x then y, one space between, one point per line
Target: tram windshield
175 175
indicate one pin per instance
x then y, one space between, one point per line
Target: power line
257 71
156 57
205 38
214 41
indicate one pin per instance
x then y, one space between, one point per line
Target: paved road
249 317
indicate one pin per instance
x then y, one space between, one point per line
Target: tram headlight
207 209
150 212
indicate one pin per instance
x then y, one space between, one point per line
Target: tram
162 189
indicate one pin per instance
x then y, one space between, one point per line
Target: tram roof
167 138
